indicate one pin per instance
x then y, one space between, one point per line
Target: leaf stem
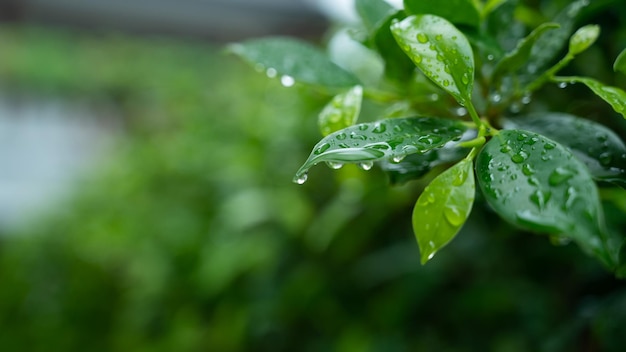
472 111
549 74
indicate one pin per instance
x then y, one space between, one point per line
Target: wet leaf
535 183
342 111
620 62
415 166
440 51
372 12
597 146
443 208
612 95
398 66
583 38
393 138
286 57
455 11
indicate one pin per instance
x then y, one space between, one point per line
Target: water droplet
515 107
287 81
528 170
446 83
495 98
271 72
454 216
522 136
422 38
363 127
434 97
559 175
549 145
513 177
461 111
527 98
532 180
380 127
341 136
322 148
465 78
562 85
361 137
490 57
570 197
301 178
540 198
398 158
417 58
431 255
334 165
506 148
366 165
438 37
519 157
605 158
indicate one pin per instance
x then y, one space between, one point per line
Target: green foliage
542 181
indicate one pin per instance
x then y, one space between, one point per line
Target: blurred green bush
193 238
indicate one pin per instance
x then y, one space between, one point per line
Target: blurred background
146 202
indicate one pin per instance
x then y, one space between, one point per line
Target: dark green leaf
598 147
583 38
612 95
372 12
440 50
398 66
536 183
392 138
503 27
298 60
443 208
342 111
455 11
620 63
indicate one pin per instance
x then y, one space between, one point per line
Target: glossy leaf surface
293 58
342 111
415 166
583 38
441 52
392 138
455 11
597 146
620 62
612 95
372 12
443 208
537 184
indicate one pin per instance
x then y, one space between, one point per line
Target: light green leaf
535 183
612 95
443 208
342 111
583 38
597 146
293 61
393 138
516 58
620 62
372 12
440 51
455 11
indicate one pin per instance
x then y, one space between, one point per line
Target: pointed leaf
292 58
443 208
415 166
597 146
342 111
455 11
392 138
441 52
612 95
372 12
583 38
620 62
537 184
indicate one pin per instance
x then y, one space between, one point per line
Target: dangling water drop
559 175
495 98
398 158
334 165
287 81
366 165
562 85
301 178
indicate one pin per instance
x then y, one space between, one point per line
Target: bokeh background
146 201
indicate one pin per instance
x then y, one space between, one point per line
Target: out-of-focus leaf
612 95
583 38
503 27
597 146
342 111
372 12
415 166
294 60
440 50
455 11
536 183
398 66
392 138
620 62
443 208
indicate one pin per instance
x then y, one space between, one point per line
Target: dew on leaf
301 178
520 157
528 170
287 81
334 165
549 146
322 148
559 175
366 165
605 158
341 136
422 38
570 197
438 37
398 158
453 216
539 198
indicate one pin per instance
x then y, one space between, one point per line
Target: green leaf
392 138
620 62
549 45
398 66
440 51
612 95
296 60
516 58
443 208
372 12
342 111
537 184
583 38
455 11
597 146
415 166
